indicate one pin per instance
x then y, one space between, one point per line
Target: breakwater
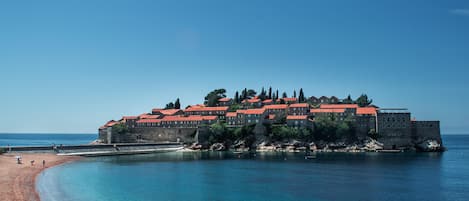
98 150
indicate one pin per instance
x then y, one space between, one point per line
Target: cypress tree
236 97
301 97
270 92
177 104
294 93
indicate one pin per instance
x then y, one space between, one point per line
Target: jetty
99 149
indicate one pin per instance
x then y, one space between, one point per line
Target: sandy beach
17 181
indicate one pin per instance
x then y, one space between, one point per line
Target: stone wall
150 134
394 130
426 130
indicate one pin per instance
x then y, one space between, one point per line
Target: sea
227 176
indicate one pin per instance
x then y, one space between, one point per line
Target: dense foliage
211 99
120 128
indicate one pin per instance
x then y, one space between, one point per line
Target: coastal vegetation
2 150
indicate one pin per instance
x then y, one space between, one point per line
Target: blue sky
69 66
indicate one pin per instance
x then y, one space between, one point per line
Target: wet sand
17 181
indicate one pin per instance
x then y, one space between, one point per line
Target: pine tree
294 93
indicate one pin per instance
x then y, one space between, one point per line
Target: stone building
298 121
251 116
298 109
231 118
252 103
207 111
279 110
225 102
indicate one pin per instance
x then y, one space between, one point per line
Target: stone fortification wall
395 130
426 130
150 134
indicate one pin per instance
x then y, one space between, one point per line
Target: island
265 121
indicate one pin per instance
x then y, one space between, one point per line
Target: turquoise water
227 177
45 139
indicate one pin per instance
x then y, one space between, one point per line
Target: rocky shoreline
369 145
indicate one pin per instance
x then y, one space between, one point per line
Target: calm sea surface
45 139
270 177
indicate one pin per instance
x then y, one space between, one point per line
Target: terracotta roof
297 117
254 111
366 110
299 105
251 100
170 111
338 106
268 101
271 116
111 123
279 106
224 99
188 118
289 99
199 109
130 117
149 116
322 110
156 109
231 114
149 121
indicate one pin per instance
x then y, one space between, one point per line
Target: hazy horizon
69 66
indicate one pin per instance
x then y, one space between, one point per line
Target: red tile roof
252 100
366 110
322 110
130 117
280 106
111 123
224 99
149 116
170 111
268 101
254 111
289 99
297 117
189 118
338 106
149 121
271 116
156 109
231 114
299 105
200 109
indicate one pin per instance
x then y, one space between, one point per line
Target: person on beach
43 163
32 163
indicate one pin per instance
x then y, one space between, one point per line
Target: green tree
244 94
212 98
284 95
236 98
348 100
234 107
263 94
170 105
363 101
177 104
120 128
251 93
270 93
294 93
301 97
276 95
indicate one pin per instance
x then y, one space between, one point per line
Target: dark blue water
45 139
224 176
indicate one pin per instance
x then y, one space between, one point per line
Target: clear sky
69 66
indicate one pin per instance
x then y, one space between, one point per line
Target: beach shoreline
18 181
